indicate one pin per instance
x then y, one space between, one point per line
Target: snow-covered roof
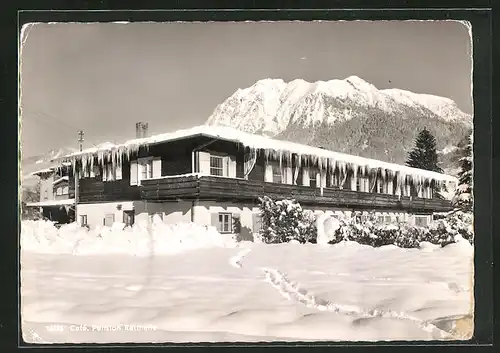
42 171
60 179
61 202
51 169
251 141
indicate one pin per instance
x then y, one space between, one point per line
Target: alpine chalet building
215 176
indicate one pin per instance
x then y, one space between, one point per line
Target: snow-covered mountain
270 105
349 115
39 162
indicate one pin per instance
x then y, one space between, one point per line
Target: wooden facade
178 158
222 189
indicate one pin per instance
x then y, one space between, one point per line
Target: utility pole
76 172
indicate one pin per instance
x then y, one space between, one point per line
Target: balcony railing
220 188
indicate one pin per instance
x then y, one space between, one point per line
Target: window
65 190
388 219
380 219
421 221
128 218
312 177
147 169
109 173
333 179
225 225
83 220
217 165
84 174
59 191
142 169
277 174
46 194
109 219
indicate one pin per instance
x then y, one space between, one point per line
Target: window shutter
118 172
236 223
215 221
105 173
268 175
133 173
109 219
156 167
256 223
305 177
232 167
110 172
323 178
204 162
288 175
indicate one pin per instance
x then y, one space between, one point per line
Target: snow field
142 239
219 290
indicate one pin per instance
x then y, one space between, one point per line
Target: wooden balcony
219 188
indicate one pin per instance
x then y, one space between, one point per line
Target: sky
102 78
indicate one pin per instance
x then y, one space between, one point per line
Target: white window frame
111 174
65 190
59 191
145 164
225 222
146 168
223 168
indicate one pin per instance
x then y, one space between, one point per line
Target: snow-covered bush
371 232
283 221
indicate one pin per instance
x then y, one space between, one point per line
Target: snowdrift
143 239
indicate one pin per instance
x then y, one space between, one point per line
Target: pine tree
463 199
424 154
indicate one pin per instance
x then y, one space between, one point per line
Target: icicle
113 159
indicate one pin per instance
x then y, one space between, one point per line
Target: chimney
141 129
